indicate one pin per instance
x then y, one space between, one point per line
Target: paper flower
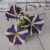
23 26
16 36
13 12
34 24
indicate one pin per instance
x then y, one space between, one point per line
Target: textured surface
33 43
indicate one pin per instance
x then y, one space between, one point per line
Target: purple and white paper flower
13 13
24 25
34 24
16 36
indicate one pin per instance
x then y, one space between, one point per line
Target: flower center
16 34
32 24
20 21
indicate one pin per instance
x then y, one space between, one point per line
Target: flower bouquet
25 25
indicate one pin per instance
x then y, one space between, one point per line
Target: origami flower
16 35
24 25
33 23
13 12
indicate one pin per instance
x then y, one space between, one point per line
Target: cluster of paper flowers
25 25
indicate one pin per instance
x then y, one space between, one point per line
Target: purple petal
17 41
23 36
37 19
9 16
11 29
39 26
10 37
34 30
31 17
18 9
11 10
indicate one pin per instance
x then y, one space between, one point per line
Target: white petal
16 27
25 26
39 22
34 18
23 32
22 41
27 18
14 8
8 33
14 40
37 29
10 14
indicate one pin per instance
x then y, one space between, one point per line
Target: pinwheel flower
25 25
16 35
13 12
33 23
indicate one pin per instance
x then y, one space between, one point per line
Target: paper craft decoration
25 25
16 36
13 12
34 24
